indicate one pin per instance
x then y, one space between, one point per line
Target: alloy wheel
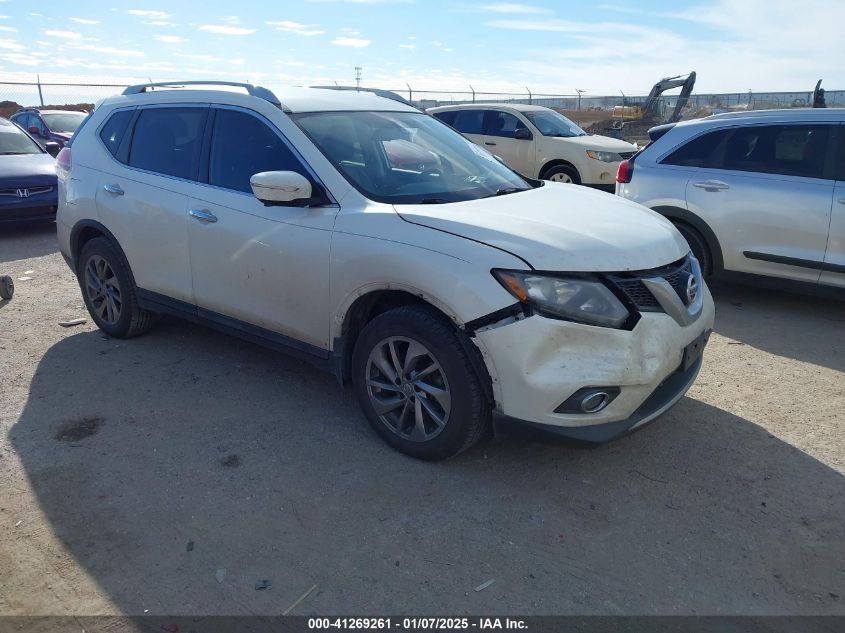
408 389
103 289
561 177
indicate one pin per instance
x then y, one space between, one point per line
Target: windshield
64 122
13 141
551 123
407 157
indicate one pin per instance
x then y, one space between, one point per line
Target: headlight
579 300
605 157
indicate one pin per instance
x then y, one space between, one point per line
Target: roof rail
255 91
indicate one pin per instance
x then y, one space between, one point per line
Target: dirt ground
174 473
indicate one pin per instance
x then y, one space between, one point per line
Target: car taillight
623 172
63 159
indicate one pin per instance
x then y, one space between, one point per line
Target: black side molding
795 261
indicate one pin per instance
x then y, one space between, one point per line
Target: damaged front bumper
537 363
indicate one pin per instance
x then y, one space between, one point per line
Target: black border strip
795 261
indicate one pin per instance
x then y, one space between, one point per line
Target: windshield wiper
434 201
507 190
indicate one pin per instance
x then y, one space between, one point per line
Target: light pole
579 91
358 70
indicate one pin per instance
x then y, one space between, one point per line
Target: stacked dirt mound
8 108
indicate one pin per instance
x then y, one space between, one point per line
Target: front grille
26 192
626 155
632 286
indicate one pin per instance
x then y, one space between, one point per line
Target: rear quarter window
114 130
447 117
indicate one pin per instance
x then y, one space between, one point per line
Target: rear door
499 130
141 196
767 194
833 272
264 265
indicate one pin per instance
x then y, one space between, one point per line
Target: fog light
588 400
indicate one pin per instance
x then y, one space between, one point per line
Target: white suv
539 142
373 240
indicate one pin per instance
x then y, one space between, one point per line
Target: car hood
598 143
560 227
26 170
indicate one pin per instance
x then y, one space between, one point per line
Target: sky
559 47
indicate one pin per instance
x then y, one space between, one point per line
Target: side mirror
52 148
523 134
281 188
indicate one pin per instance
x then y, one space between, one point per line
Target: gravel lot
133 472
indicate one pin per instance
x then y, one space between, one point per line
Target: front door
499 138
265 266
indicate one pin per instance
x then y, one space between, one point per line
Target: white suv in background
446 292
752 192
539 142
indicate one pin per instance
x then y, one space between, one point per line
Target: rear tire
562 173
698 246
417 385
109 292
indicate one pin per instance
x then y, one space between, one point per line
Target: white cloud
152 15
231 19
223 29
159 23
67 35
10 45
83 21
508 7
170 39
7 28
351 41
295 27
407 46
107 50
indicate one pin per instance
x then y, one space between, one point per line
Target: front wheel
698 247
564 174
417 385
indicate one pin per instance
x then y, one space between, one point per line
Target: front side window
167 141
448 117
64 122
242 146
407 158
469 121
551 123
13 141
501 124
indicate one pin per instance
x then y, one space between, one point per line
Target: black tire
563 170
130 320
7 287
698 246
469 414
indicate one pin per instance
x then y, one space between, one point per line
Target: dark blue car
28 186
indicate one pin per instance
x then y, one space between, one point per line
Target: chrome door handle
712 185
203 215
113 188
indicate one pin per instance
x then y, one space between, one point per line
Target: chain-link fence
14 95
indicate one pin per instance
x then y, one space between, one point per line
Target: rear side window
242 146
448 117
469 121
167 141
790 150
702 151
501 124
114 130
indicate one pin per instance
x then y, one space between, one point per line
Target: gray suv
753 192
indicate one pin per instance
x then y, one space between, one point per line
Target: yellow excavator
650 110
